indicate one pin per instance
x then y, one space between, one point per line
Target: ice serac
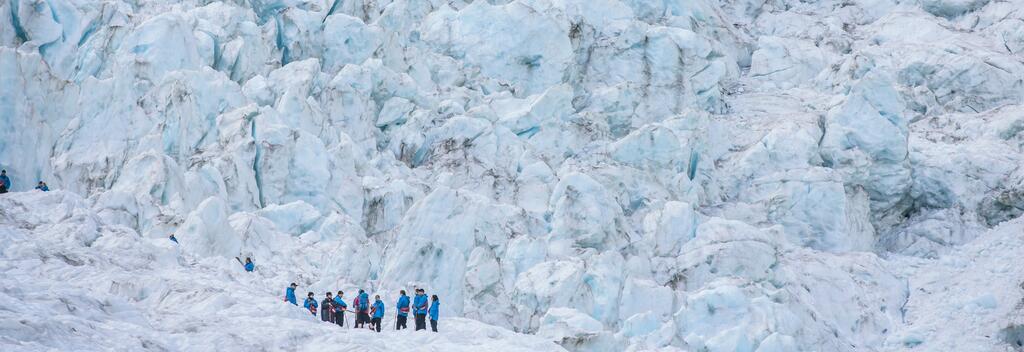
207 232
511 42
584 216
866 141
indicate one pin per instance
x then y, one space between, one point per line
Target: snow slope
606 175
978 291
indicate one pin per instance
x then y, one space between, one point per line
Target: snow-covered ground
594 175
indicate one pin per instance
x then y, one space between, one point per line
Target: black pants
400 322
433 325
339 318
421 322
363 319
375 324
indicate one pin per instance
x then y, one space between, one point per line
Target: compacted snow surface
583 175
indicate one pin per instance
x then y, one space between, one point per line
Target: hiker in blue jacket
42 187
339 309
363 308
403 311
434 303
171 237
289 293
360 306
248 265
378 313
5 180
419 306
310 303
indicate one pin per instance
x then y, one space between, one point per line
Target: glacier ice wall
713 175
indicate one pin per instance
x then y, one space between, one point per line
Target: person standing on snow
310 303
339 309
356 305
5 180
42 187
171 237
248 265
434 303
327 308
419 306
403 311
378 313
289 293
364 307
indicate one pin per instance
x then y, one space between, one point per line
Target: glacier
567 175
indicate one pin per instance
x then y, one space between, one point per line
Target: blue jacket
176 241
339 304
289 295
6 180
433 309
364 301
378 309
419 304
403 302
43 188
249 266
310 302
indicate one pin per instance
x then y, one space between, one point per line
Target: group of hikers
5 183
368 314
333 309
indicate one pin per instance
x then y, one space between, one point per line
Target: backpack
363 305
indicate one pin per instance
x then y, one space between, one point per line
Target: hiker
378 313
171 237
5 180
403 311
339 309
363 307
42 187
249 266
289 293
310 303
419 306
356 305
434 303
327 308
